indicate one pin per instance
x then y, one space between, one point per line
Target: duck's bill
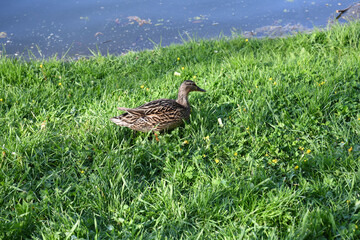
201 90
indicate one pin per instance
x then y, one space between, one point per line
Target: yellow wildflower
186 142
59 83
204 155
350 149
217 160
305 160
247 128
308 151
246 40
256 86
229 117
1 99
142 86
266 155
178 59
206 138
296 167
359 118
274 83
147 89
270 79
41 65
182 68
301 148
348 201
194 77
274 160
235 154
244 109
82 171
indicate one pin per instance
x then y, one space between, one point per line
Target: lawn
283 165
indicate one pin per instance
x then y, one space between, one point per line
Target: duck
159 115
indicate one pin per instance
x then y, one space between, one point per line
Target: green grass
285 165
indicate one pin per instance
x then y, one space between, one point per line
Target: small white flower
177 74
220 122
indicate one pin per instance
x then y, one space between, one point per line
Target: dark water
48 27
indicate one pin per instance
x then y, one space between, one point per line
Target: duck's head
189 86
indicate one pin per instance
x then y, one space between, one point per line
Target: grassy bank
285 164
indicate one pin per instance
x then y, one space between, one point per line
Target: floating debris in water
198 19
3 34
98 33
139 20
84 18
107 41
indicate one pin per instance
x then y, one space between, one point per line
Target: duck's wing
157 107
133 112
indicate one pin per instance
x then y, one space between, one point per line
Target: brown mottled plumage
158 115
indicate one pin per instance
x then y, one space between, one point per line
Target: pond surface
48 27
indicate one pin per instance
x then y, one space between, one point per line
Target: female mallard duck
159 115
